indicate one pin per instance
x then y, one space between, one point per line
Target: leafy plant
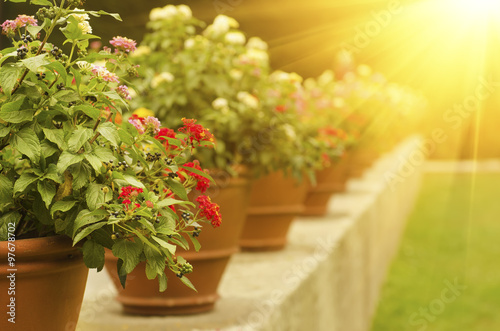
67 167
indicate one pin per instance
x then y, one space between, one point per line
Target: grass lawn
446 276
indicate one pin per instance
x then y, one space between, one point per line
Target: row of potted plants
275 132
133 195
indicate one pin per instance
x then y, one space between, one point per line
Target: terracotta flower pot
329 181
275 201
49 282
141 296
361 159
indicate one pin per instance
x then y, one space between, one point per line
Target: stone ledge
327 278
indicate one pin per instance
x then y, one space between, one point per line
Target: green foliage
67 165
218 77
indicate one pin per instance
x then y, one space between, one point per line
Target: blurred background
447 50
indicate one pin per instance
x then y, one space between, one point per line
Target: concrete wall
328 277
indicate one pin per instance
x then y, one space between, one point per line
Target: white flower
280 76
219 103
80 17
163 77
189 43
84 65
164 13
221 25
82 21
235 38
85 27
257 43
185 11
236 74
248 99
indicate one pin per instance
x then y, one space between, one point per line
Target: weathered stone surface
328 277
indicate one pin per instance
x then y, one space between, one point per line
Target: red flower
129 191
210 210
203 183
280 108
195 131
166 132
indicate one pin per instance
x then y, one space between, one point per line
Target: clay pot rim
39 246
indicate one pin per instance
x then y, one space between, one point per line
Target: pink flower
23 20
122 91
8 27
123 44
152 124
137 124
104 74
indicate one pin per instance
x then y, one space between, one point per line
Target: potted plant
224 80
74 183
326 113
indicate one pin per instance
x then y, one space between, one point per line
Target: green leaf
169 202
71 31
88 110
41 212
178 189
155 263
62 206
34 30
10 112
41 3
94 161
108 130
171 248
27 143
125 137
198 172
87 230
47 190
24 180
86 217
81 175
16 116
102 12
78 77
4 130
66 96
66 159
95 197
35 62
122 275
6 190
133 181
162 279
52 174
48 148
188 283
78 138
104 154
56 136
196 243
13 105
129 252
59 68
6 220
93 255
9 74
